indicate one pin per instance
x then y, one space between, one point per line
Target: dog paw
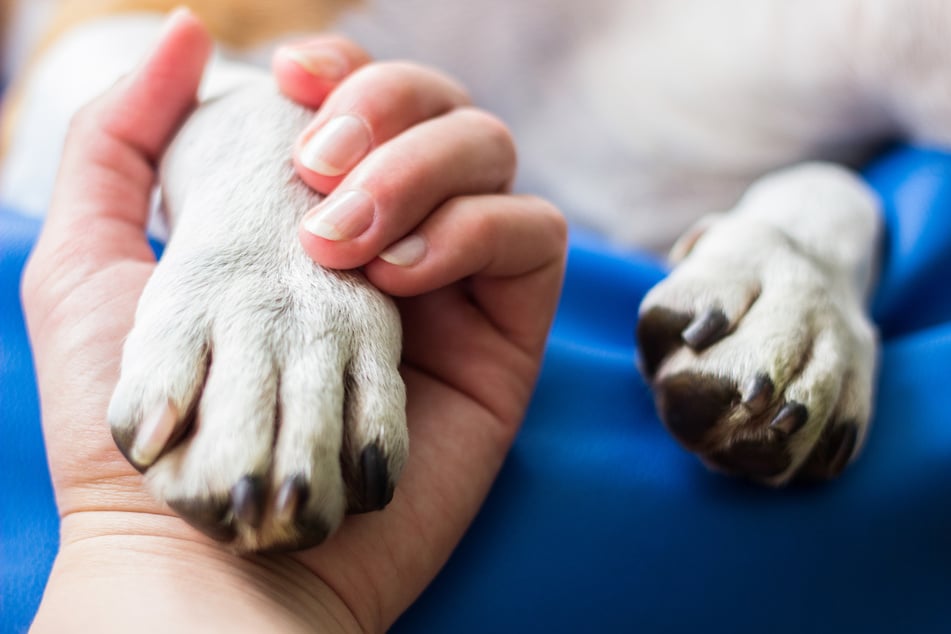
259 393
260 405
760 357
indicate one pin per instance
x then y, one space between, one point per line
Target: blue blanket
599 521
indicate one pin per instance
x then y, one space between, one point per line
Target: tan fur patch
235 23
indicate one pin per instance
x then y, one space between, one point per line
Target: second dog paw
760 359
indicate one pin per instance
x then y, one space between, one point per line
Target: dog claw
214 519
290 497
290 508
153 435
377 489
757 394
790 418
247 501
706 329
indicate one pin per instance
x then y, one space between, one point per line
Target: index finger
511 248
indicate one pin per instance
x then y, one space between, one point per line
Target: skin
476 309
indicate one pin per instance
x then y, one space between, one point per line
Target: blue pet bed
599 521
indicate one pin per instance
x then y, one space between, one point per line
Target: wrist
142 572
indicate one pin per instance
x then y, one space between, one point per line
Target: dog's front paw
262 399
760 357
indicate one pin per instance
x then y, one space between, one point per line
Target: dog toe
303 525
147 418
300 517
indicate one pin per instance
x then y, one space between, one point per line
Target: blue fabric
599 521
29 523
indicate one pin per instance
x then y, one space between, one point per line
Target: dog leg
259 393
757 345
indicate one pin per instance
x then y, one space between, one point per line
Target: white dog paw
262 411
761 359
259 393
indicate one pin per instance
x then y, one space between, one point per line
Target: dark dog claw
290 508
213 518
790 418
247 501
706 329
290 497
757 393
377 489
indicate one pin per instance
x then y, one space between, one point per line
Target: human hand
478 272
478 299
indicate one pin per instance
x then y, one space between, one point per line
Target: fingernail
406 252
153 435
173 17
342 216
336 146
290 497
320 62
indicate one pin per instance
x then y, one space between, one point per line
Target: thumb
92 258
101 202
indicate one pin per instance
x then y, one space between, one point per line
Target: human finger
373 105
466 151
512 248
308 70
